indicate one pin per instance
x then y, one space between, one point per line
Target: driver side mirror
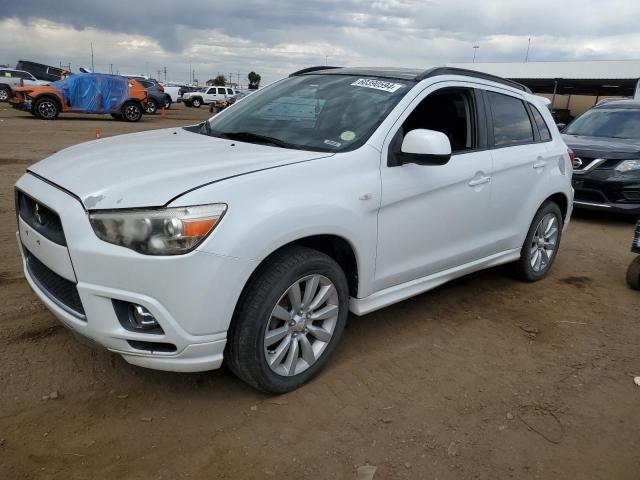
425 147
561 126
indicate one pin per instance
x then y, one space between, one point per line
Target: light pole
475 51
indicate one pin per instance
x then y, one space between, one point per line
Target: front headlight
165 231
628 165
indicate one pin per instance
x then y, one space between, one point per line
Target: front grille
62 291
40 217
586 161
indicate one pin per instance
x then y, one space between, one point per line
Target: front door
433 218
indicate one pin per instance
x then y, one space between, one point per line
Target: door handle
479 181
539 164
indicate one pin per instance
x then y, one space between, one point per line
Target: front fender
338 195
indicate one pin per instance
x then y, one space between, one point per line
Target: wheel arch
335 246
562 201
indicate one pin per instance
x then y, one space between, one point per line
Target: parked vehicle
173 91
10 78
633 272
251 236
207 95
606 142
124 99
157 96
42 71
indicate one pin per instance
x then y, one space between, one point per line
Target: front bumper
607 190
192 296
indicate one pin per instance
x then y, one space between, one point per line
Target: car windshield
603 122
329 113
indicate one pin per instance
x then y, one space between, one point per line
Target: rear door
521 162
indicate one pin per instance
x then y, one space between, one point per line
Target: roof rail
432 72
312 69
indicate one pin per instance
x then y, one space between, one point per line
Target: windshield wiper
257 138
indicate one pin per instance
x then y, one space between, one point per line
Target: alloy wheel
301 325
4 95
47 109
131 112
543 242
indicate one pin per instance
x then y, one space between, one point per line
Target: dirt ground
484 378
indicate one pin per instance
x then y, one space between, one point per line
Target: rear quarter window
543 129
511 122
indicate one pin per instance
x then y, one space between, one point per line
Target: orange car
119 96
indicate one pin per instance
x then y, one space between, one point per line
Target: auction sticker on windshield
377 84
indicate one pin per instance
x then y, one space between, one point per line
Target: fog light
142 318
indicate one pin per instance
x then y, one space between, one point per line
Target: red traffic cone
97 133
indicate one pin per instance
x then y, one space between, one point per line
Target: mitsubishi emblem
36 215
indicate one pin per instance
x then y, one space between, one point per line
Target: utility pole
159 77
111 68
238 80
475 51
526 58
326 59
92 66
165 73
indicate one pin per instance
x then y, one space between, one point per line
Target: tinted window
212 91
229 91
511 124
545 135
221 91
607 122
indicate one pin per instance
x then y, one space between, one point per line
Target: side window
511 122
545 135
450 111
221 91
212 91
229 91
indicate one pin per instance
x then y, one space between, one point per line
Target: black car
157 97
606 168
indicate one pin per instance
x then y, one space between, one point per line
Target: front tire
167 102
131 111
46 108
633 274
196 102
289 320
541 244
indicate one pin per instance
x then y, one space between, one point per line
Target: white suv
207 95
10 78
251 236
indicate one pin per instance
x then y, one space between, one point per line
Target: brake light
572 156
160 87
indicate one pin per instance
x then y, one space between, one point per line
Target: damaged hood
148 169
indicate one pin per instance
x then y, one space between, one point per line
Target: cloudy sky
279 36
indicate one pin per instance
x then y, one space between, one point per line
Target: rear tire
167 102
196 102
276 343
5 94
46 108
131 111
540 245
152 107
633 274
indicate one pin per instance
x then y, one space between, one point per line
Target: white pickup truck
10 78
